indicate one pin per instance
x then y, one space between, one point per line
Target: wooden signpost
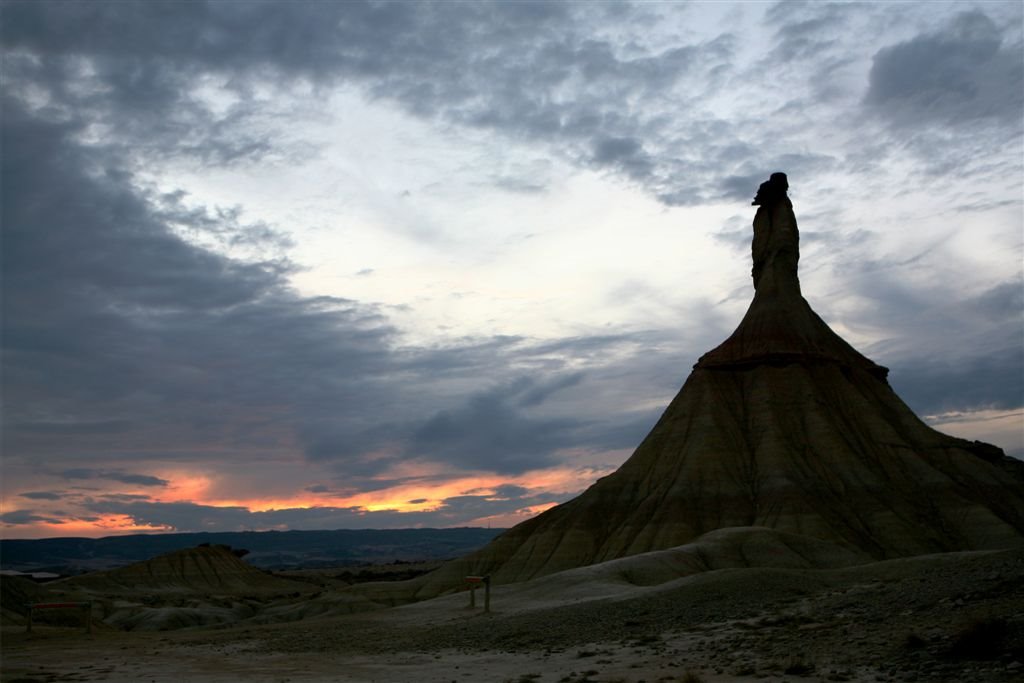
86 608
475 581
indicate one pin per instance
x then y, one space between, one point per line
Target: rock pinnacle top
780 325
772 190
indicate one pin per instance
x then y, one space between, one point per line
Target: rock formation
786 426
204 586
206 570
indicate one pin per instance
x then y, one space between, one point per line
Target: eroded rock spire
784 425
776 244
779 326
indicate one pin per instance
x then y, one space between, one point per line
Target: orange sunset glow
421 491
107 525
421 494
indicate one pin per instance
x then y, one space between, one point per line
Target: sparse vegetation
383 573
646 641
585 677
524 678
745 670
913 642
798 668
980 639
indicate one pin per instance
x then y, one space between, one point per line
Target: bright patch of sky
458 234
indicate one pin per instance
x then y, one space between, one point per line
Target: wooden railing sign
86 608
475 581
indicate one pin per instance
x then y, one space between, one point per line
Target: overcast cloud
317 265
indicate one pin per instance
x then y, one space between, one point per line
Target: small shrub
981 639
690 677
647 640
913 642
799 668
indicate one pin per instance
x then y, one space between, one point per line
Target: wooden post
88 617
28 624
474 582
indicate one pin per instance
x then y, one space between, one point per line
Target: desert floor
952 617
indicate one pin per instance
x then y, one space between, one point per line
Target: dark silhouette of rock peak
780 325
785 426
772 190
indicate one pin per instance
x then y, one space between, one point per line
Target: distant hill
206 570
267 549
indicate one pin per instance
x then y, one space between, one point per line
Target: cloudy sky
322 265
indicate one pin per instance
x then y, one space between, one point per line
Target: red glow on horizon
107 525
422 491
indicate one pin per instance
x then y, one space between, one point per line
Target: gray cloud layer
141 338
958 75
133 344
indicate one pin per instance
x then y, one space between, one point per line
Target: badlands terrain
700 612
787 518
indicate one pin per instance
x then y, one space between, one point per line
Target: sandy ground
957 617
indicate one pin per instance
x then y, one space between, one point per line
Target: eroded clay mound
206 570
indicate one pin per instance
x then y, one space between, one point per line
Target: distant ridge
267 549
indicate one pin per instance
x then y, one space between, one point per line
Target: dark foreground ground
956 617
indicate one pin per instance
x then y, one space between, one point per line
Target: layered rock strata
786 426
